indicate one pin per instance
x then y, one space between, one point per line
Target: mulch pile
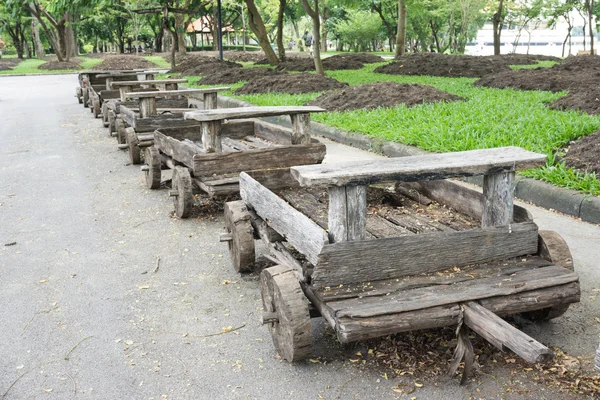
292 84
233 75
61 65
202 65
585 99
365 58
124 61
584 154
333 63
244 56
453 66
380 94
8 63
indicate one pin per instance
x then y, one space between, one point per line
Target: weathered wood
208 164
301 232
124 92
300 128
210 100
161 122
249 112
151 83
419 168
347 217
274 178
369 260
498 193
274 133
147 107
503 335
412 194
165 93
239 224
463 199
180 151
211 136
182 186
421 298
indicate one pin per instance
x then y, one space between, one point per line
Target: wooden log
147 107
300 128
503 335
347 217
498 193
210 100
425 297
145 143
211 136
369 260
305 235
207 164
419 168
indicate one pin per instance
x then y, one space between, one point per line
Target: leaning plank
301 232
367 260
249 112
419 168
222 163
503 335
180 151
426 297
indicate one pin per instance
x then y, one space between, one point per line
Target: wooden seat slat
419 168
184 92
249 112
149 82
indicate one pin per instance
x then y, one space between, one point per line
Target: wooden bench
148 99
373 270
125 87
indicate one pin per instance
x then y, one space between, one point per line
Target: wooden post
498 192
300 128
211 136
347 218
109 82
147 107
210 101
123 90
171 86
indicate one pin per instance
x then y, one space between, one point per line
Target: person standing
308 41
2 44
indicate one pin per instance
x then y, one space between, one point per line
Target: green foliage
539 64
360 30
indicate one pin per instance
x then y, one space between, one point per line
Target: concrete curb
540 193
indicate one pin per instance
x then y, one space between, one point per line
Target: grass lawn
159 61
30 66
487 118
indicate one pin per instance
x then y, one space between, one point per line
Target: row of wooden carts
374 247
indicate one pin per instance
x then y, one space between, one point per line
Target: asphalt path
105 295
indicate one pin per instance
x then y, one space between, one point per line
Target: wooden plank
180 151
498 193
419 168
211 136
210 100
184 92
299 230
249 112
380 227
272 132
237 129
503 335
463 199
274 178
347 217
147 107
387 287
149 83
160 122
426 297
307 204
369 260
300 128
279 157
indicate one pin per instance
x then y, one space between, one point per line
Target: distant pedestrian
291 44
431 49
415 49
1 46
308 41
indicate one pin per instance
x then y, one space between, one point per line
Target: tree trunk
180 29
280 44
324 18
158 40
314 14
401 35
497 20
35 31
258 27
590 4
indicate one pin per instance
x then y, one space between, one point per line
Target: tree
401 34
497 21
360 30
589 6
258 28
313 13
13 21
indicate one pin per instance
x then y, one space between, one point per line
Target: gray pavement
86 316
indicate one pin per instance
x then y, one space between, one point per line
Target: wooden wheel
241 240
105 115
552 247
86 97
120 128
79 95
96 107
135 153
182 192
153 167
112 128
286 313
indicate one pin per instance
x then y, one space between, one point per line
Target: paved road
86 316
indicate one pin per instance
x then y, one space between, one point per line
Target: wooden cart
147 117
125 87
374 268
209 156
90 77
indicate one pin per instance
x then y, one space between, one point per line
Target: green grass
159 61
486 118
539 64
30 66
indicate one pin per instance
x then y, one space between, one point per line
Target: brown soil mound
330 64
60 65
124 61
584 154
380 94
8 63
582 99
233 75
244 56
201 65
364 58
435 64
292 84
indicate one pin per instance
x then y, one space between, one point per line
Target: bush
9 50
88 48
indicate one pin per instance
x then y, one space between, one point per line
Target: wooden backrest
249 112
419 168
